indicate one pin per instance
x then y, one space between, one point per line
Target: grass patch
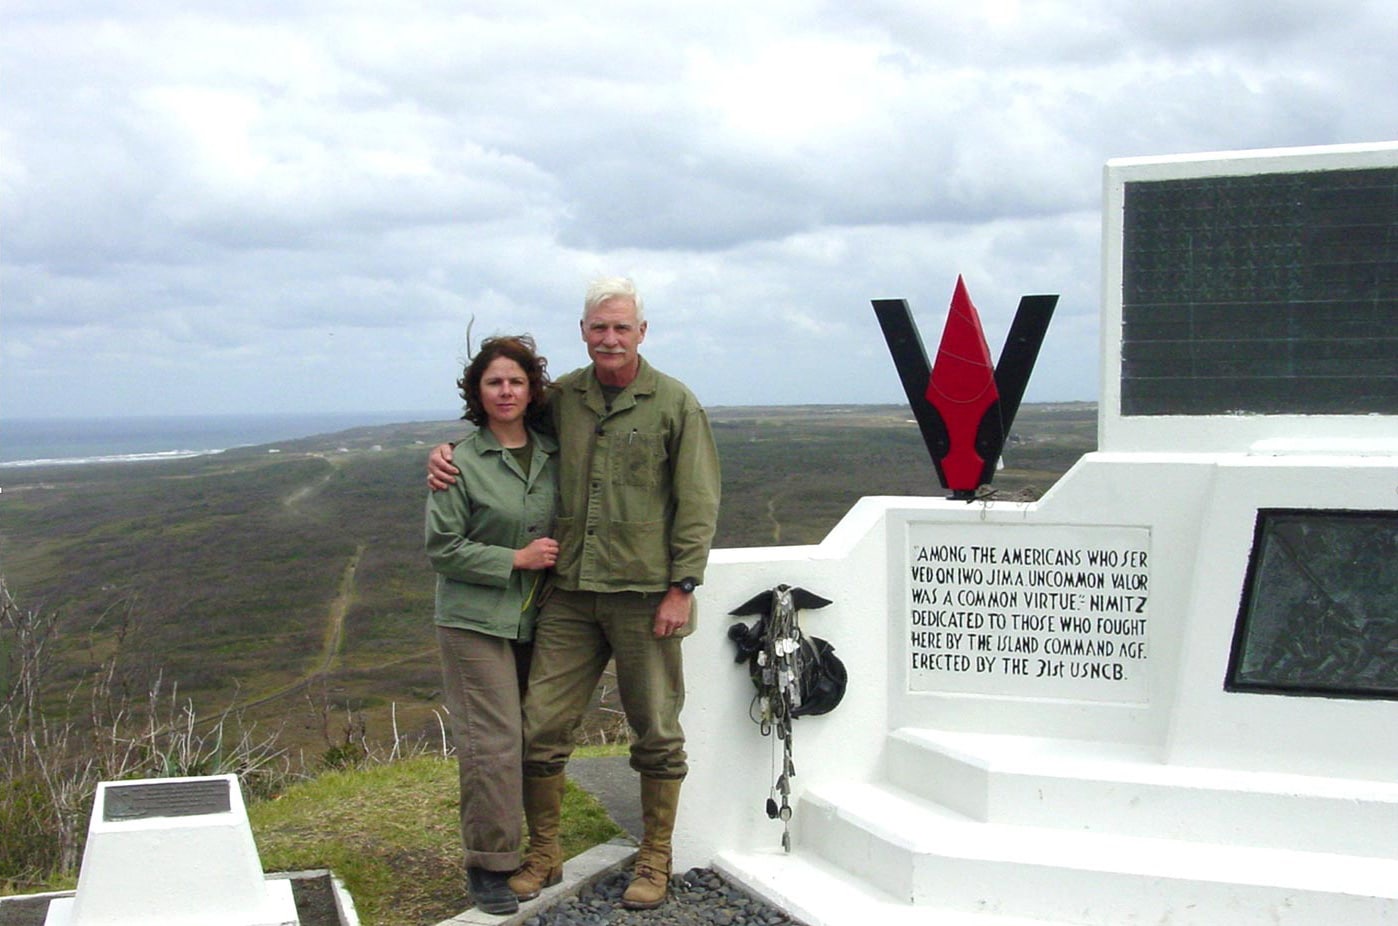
390 832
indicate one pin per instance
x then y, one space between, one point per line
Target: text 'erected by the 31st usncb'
1047 611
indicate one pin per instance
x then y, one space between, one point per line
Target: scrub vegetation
268 610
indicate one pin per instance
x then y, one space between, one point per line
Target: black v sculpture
964 406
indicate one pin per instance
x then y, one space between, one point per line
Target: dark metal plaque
1319 614
1267 294
166 799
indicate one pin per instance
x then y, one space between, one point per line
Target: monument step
1123 789
816 893
929 856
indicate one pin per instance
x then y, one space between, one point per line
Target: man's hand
440 471
673 612
539 554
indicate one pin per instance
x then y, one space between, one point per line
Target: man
637 510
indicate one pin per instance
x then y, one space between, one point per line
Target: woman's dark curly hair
519 348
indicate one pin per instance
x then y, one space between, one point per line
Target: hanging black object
795 676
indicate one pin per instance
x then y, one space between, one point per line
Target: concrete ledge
579 872
321 900
337 898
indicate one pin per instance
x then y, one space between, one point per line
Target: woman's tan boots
543 812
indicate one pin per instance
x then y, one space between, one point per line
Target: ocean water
73 441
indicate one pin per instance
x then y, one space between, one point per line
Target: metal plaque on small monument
184 798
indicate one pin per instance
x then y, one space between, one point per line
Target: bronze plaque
145 801
1269 294
1319 613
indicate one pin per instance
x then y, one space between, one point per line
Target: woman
487 538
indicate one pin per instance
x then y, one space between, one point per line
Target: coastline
152 457
42 442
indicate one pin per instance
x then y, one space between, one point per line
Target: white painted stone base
1083 833
200 869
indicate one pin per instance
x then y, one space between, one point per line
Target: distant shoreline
28 443
153 457
33 442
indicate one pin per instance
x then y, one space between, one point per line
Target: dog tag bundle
795 676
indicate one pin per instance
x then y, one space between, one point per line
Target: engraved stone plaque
184 798
1050 611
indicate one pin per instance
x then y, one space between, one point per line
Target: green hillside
290 580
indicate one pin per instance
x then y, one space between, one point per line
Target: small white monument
1166 692
173 852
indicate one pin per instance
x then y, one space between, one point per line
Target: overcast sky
269 205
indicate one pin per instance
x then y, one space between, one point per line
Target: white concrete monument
1166 692
173 852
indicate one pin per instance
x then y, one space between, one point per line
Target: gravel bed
699 897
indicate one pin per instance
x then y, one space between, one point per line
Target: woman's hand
539 554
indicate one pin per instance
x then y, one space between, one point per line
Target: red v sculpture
964 405
962 389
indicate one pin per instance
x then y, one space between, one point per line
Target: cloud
239 207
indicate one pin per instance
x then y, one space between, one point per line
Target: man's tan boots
543 812
660 798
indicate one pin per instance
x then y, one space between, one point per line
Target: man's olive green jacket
638 484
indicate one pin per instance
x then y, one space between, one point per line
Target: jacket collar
645 383
484 441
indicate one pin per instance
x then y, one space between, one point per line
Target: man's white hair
599 291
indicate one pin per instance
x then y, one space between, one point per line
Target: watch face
686 585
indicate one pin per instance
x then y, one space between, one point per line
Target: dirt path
334 635
339 607
305 491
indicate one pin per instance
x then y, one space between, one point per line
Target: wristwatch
687 585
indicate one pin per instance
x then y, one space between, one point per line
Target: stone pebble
699 897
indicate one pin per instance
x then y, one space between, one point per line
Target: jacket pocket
638 552
637 459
